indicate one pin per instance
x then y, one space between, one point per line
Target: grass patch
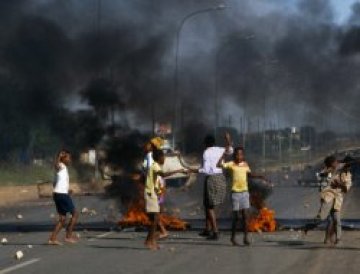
12 175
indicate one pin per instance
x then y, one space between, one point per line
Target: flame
136 215
264 221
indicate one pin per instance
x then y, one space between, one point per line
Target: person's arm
203 166
194 170
228 141
344 182
220 163
228 144
169 173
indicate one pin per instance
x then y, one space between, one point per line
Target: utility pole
280 146
264 145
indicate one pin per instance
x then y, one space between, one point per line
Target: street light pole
176 77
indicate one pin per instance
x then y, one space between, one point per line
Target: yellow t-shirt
239 175
152 181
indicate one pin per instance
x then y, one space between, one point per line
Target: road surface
104 251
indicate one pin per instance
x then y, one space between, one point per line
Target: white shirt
61 184
211 158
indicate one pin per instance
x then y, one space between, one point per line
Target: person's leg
68 206
215 231
245 226
151 231
233 228
323 214
163 231
337 226
213 222
207 229
59 225
208 226
154 227
70 227
329 229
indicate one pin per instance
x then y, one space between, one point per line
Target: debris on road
87 211
19 255
84 210
19 216
30 246
4 240
176 210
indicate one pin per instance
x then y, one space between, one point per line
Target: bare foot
54 242
151 246
71 240
164 236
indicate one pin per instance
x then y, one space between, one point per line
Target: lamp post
176 78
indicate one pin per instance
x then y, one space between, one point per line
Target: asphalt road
104 251
185 252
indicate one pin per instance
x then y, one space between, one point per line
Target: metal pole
290 149
176 77
280 147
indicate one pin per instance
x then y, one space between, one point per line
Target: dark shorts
214 190
63 203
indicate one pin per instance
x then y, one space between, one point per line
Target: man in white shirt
215 183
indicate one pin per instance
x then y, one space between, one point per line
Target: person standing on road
62 199
155 144
239 172
151 194
215 183
338 178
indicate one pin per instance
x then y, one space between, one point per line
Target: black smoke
293 66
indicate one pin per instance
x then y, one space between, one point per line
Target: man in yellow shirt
240 172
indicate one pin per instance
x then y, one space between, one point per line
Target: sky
291 55
342 9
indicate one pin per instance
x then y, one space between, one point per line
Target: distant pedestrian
62 199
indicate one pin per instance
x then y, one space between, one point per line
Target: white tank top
61 184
